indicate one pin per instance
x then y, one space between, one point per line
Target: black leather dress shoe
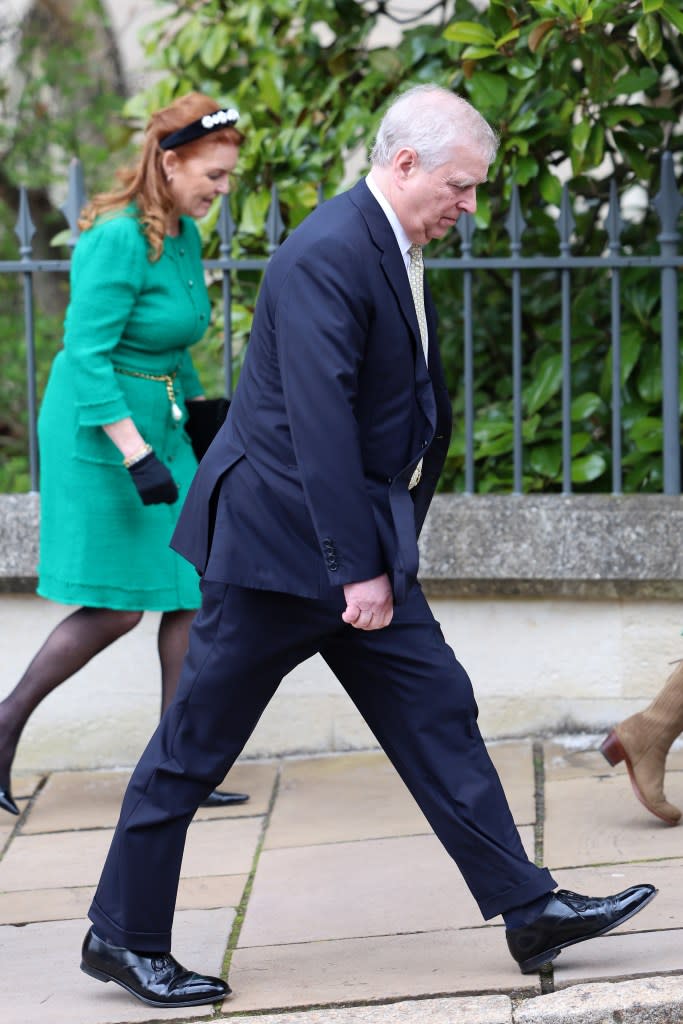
218 799
6 801
570 918
156 980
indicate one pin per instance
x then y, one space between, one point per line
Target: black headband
203 126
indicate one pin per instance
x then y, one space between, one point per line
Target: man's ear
405 163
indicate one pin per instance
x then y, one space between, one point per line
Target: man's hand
369 604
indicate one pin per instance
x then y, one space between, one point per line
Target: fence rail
667 204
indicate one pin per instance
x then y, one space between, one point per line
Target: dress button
191 283
182 252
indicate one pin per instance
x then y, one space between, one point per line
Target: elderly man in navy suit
303 522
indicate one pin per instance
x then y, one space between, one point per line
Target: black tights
70 646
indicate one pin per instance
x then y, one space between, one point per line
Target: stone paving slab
360 796
578 759
29 906
598 821
333 799
648 1001
466 961
25 784
64 860
514 762
372 887
6 830
82 800
460 1010
41 982
620 955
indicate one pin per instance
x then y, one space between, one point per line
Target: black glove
204 420
155 484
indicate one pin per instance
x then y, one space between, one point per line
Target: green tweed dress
99 545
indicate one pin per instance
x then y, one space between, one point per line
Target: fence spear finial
25 229
274 222
566 222
75 200
515 223
226 225
668 201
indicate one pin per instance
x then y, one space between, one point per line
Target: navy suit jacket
305 487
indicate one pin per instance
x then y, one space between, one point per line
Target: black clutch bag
204 419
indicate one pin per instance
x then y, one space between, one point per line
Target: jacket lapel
391 259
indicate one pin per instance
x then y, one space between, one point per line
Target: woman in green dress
116 461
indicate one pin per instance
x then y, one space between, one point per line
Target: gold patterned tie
416 278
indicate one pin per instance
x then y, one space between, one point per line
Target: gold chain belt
165 378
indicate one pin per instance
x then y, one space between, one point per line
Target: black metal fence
667 264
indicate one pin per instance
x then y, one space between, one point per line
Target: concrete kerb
654 1000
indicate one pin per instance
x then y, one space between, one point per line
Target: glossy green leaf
550 187
546 460
488 90
647 434
547 382
634 81
479 52
190 40
254 213
649 36
674 14
587 468
216 45
585 405
469 32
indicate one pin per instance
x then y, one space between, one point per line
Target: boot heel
612 750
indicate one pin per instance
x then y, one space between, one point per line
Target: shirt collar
404 242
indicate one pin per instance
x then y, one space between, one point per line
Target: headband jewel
226 118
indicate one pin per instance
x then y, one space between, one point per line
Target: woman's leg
70 646
174 633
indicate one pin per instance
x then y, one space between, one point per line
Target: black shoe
6 801
158 980
570 918
218 799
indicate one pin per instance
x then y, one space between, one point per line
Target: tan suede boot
643 741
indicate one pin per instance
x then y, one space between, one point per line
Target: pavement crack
546 975
242 906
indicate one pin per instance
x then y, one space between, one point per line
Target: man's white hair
433 122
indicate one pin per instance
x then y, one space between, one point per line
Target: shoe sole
535 962
169 1004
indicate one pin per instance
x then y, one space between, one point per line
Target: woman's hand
153 481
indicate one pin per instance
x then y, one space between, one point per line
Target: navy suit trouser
409 688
